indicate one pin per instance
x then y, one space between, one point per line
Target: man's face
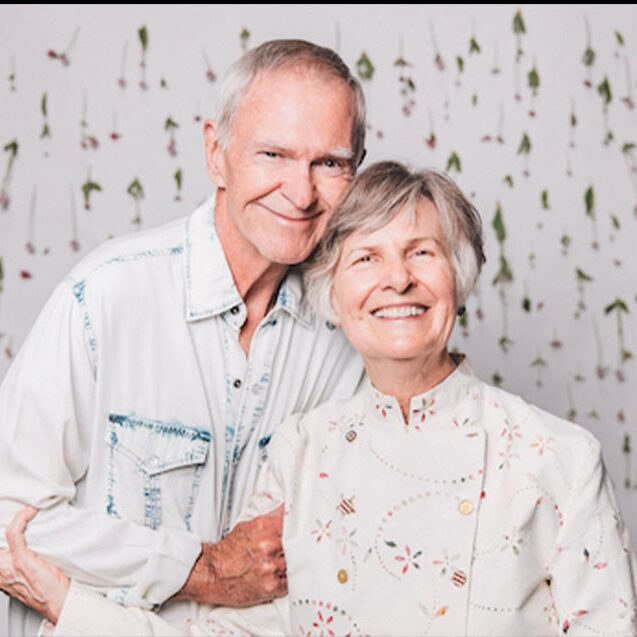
287 164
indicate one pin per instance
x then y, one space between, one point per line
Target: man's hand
247 567
26 576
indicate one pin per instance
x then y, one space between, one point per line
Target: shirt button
237 383
350 436
153 462
342 576
235 310
465 507
256 389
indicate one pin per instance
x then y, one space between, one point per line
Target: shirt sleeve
277 473
593 573
47 402
89 614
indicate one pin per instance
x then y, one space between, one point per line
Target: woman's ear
335 310
215 155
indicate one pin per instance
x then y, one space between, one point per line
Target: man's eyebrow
340 153
336 153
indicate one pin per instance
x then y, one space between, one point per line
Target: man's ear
215 160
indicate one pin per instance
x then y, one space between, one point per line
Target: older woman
431 502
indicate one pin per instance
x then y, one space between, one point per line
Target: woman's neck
404 379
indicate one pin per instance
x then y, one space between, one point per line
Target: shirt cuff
92 615
169 565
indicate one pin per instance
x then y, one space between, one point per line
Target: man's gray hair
378 195
279 54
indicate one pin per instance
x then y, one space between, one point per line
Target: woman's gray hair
279 54
377 196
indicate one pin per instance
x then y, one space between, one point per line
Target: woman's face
394 290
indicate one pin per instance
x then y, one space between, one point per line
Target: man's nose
396 275
299 188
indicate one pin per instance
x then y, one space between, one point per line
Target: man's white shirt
133 418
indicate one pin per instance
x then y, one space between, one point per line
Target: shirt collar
210 287
440 406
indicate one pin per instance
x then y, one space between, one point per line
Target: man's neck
257 279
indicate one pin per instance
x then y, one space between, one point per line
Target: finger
15 531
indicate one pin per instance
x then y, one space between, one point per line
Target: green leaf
170 123
618 305
580 275
460 63
616 223
508 180
390 544
626 448
526 304
244 36
504 275
143 37
401 62
589 200
474 47
628 147
518 23
525 145
538 362
12 148
364 67
604 90
573 120
43 104
620 38
545 200
589 57
454 162
178 178
534 79
497 379
498 225
87 188
135 189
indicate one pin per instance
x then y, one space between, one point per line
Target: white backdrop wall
539 125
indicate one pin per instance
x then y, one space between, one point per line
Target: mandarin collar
441 406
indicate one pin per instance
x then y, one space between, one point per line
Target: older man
140 407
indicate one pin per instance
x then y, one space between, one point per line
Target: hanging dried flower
136 191
142 34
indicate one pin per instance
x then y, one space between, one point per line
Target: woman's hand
28 577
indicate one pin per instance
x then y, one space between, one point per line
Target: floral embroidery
447 563
542 445
383 408
323 623
408 558
425 409
346 541
512 541
507 456
322 531
510 431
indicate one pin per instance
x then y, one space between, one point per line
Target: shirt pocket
154 470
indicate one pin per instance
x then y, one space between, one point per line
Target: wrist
201 583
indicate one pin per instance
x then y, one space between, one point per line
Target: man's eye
272 154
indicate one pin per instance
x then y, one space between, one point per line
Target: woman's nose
397 276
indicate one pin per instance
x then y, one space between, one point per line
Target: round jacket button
350 436
342 576
465 507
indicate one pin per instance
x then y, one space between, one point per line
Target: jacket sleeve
47 403
88 614
593 572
